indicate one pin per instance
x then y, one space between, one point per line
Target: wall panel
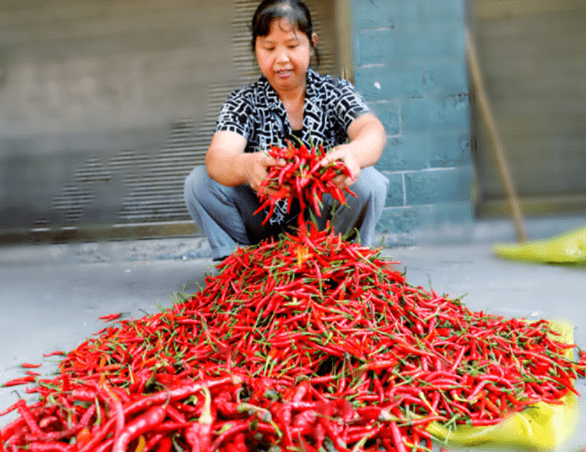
107 106
533 56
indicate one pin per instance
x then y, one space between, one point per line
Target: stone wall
409 63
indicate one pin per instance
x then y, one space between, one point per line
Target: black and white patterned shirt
256 112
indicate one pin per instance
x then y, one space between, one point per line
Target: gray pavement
52 295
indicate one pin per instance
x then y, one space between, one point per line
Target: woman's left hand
345 154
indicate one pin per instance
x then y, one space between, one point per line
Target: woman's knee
195 182
371 184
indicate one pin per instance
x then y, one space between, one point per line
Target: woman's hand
367 140
259 168
345 154
228 164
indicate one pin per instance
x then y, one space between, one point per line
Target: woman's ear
314 40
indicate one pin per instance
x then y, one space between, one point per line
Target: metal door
108 106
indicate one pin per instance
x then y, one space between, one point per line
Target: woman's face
283 56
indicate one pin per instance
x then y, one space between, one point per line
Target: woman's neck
292 97
294 109
293 102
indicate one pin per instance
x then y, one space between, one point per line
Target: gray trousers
225 214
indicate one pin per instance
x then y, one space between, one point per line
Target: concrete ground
52 295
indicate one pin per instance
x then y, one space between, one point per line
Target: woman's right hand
260 167
228 164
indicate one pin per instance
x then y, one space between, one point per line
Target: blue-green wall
410 65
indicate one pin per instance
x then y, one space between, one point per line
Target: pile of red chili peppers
309 343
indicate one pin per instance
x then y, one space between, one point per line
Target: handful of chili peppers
302 177
307 343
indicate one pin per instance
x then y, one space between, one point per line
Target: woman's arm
367 141
228 164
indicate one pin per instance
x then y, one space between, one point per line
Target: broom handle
493 136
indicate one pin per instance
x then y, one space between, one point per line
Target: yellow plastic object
541 426
567 248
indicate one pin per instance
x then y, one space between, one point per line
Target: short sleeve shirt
256 112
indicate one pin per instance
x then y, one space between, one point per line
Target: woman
289 100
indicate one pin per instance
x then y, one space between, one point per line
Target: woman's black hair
295 11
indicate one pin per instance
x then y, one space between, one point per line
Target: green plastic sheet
568 248
541 426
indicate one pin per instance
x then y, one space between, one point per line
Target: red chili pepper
160 441
165 445
99 436
142 424
231 431
397 437
30 366
54 353
83 437
19 381
50 447
110 317
116 408
201 432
